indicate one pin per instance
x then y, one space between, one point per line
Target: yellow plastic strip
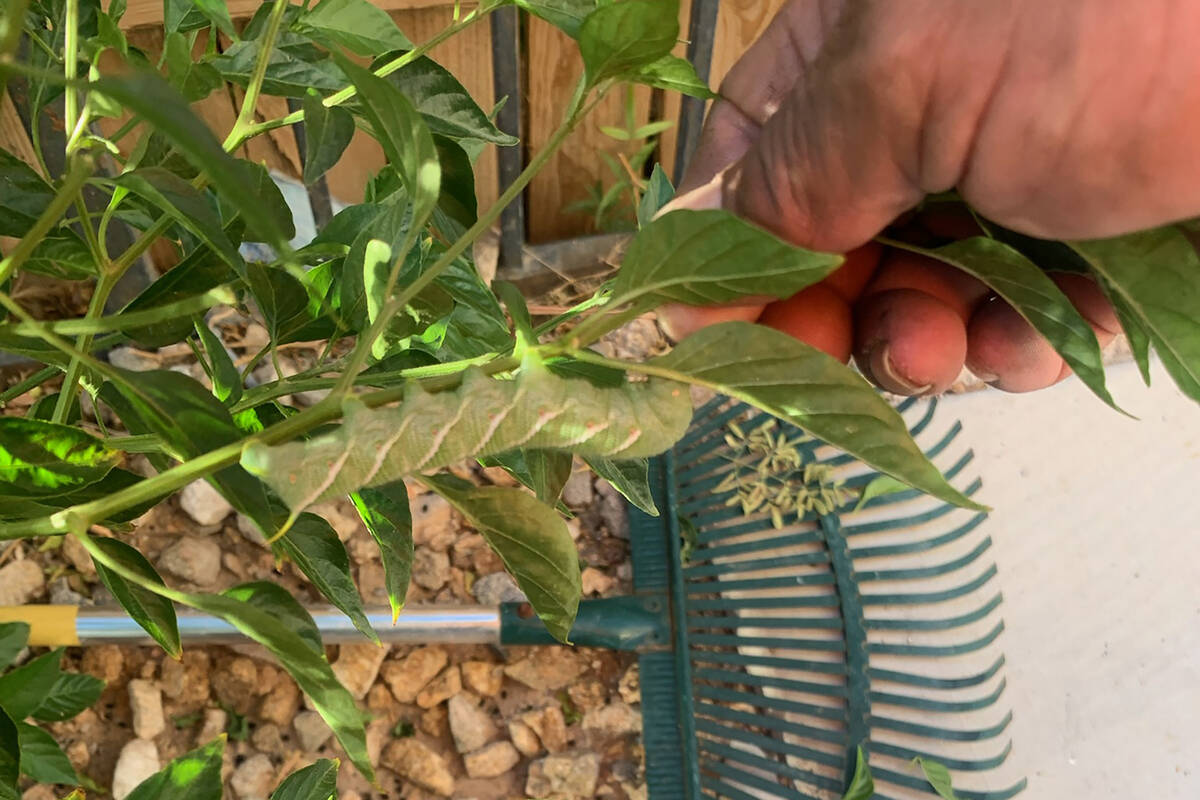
49 626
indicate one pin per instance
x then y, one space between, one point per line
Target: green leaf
71 694
286 76
327 132
316 549
61 255
1035 297
13 637
163 108
482 417
10 758
862 786
185 204
153 612
226 380
199 272
385 512
531 539
631 478
391 226
284 303
623 37
674 74
1156 275
566 15
42 459
23 689
1131 324
41 757
192 776
357 25
659 192
938 777
543 471
270 197
23 196
317 781
273 624
457 200
218 13
194 79
709 257
514 303
183 15
879 487
190 421
447 108
403 134
802 385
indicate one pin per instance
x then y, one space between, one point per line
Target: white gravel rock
138 760
20 582
497 588
254 778
193 558
491 761
577 492
204 504
470 725
131 359
312 730
145 701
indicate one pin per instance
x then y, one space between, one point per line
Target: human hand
1072 119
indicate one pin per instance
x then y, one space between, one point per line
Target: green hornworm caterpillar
484 416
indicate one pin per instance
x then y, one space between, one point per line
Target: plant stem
339 97
397 304
70 66
92 324
81 169
32 382
66 395
600 324
254 87
54 341
207 463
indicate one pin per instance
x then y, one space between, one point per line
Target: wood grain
553 67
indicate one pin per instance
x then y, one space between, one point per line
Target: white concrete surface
1097 539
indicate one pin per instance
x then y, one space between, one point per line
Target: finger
818 316
1007 352
680 321
909 342
1088 298
755 87
856 271
901 269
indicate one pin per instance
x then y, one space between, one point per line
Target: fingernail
885 373
702 198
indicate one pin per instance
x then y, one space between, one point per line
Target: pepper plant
432 365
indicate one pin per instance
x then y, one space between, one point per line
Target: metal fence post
702 31
506 67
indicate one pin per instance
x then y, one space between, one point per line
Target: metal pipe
457 625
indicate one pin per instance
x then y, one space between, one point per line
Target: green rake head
804 628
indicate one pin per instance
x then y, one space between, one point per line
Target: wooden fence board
553 68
